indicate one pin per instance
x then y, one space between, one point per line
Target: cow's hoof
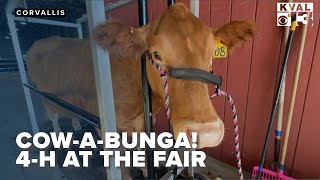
76 124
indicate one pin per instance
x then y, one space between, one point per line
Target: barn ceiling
30 32
75 9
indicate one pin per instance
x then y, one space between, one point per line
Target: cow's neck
127 88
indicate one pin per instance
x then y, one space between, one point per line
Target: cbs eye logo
283 19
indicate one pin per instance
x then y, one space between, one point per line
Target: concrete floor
15 119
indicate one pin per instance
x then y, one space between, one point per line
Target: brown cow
176 39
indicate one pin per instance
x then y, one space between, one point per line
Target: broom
293 97
276 99
278 132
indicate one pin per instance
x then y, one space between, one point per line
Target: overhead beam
46 21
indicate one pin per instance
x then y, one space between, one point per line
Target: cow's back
63 67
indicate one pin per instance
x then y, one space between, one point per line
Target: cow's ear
121 40
235 32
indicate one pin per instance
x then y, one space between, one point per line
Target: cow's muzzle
210 134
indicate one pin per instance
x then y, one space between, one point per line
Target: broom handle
293 97
278 133
281 103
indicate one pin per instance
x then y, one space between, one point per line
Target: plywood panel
238 81
158 7
134 16
264 64
204 12
220 14
307 158
150 10
127 14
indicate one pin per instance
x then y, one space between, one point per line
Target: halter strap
195 74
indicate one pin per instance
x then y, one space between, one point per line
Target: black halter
196 75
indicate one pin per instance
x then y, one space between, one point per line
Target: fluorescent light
7 37
23 23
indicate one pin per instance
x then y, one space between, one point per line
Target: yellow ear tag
221 50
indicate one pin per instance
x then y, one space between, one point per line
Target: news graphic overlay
21 12
286 10
133 155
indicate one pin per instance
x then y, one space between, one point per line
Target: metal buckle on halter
218 91
217 87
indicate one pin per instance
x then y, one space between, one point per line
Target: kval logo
285 10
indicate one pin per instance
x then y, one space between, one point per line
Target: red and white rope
236 127
164 76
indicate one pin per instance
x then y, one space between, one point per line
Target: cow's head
178 39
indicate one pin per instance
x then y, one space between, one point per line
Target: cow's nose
210 134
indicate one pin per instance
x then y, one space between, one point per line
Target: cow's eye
156 55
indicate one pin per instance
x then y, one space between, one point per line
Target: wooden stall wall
250 74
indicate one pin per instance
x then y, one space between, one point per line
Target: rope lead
219 92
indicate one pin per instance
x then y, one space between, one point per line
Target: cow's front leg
55 123
125 173
54 118
76 124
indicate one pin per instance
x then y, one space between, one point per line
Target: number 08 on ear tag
221 50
